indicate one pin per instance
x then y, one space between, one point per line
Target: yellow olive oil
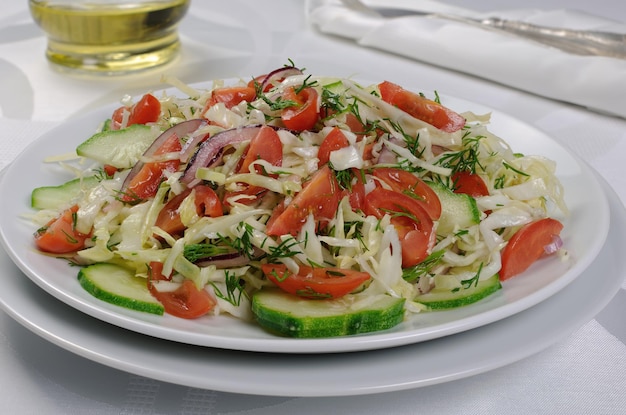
110 37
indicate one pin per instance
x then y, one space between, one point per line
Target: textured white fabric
592 82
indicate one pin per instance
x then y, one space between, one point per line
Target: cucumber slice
446 298
287 315
55 197
119 286
458 211
336 87
119 148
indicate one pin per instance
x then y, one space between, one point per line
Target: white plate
427 363
584 234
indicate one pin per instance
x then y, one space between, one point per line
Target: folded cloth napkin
595 82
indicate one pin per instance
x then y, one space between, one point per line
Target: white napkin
598 83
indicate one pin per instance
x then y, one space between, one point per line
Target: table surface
582 373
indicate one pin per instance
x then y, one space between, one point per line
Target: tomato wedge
528 245
315 282
266 145
356 196
169 219
320 196
355 125
470 184
231 96
407 183
155 272
146 182
187 301
333 141
146 110
207 204
305 114
109 170
421 108
409 218
59 236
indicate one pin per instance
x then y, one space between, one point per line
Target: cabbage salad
260 184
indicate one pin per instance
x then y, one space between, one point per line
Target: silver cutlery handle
581 42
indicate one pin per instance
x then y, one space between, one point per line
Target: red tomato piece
528 245
470 184
320 196
146 110
207 204
109 170
305 114
368 151
409 218
266 145
187 301
59 236
118 117
155 272
231 96
333 141
315 282
357 196
354 124
257 81
409 184
421 108
169 219
416 242
146 182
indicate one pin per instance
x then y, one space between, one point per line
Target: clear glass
110 36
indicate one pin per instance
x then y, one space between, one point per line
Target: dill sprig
466 159
234 289
331 101
196 252
471 282
243 243
414 273
283 250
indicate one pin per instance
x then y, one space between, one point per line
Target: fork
579 42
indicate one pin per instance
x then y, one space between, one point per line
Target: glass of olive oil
110 36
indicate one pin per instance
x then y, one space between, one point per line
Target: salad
313 205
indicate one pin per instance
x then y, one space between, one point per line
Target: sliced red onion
229 260
194 140
387 156
232 259
437 150
210 150
553 246
180 130
273 78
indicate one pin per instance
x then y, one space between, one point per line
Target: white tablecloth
584 373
